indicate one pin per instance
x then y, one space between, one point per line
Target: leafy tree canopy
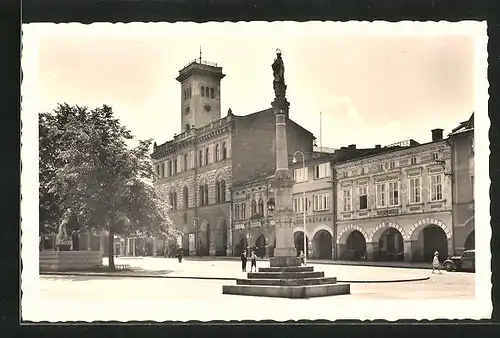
88 173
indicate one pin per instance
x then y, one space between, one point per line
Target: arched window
224 151
217 153
202 90
236 212
206 156
185 162
202 195
175 166
206 194
185 197
243 211
217 192
211 93
222 193
261 206
254 208
206 91
200 158
172 200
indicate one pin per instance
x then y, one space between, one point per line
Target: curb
311 261
94 274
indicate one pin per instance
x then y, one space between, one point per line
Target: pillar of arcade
282 182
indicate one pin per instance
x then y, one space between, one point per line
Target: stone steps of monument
288 269
288 282
286 275
304 291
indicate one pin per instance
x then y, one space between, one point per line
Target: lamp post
294 160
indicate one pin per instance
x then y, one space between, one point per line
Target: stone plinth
70 260
284 261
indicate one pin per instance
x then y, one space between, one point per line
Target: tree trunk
111 249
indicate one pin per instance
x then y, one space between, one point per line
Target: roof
464 126
271 110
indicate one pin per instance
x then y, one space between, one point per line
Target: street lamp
294 160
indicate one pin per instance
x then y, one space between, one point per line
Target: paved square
122 298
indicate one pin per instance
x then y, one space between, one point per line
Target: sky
371 88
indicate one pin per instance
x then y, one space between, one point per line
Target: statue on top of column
278 68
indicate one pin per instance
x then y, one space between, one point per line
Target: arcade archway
322 245
355 247
299 242
260 246
390 245
240 246
470 242
434 239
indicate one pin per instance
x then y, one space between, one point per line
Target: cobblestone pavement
123 298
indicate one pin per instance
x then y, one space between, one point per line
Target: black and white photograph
255 171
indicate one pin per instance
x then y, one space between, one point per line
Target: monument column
282 182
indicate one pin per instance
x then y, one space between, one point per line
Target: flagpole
320 133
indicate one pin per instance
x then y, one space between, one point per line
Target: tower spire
200 53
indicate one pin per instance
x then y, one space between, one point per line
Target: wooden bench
123 267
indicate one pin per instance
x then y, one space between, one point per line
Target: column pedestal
407 251
371 251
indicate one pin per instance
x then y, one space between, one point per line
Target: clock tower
200 93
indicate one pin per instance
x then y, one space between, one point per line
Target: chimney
437 134
352 146
378 146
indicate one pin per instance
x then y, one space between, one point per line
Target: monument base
69 260
287 282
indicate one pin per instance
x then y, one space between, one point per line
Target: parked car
466 262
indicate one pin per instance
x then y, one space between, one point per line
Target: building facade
198 171
312 201
462 142
396 205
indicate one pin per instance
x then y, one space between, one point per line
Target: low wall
69 260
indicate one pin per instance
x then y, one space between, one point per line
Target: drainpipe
231 222
195 190
450 142
334 210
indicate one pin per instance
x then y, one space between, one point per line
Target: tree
96 179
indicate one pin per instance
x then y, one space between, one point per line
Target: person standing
302 258
254 262
243 261
435 263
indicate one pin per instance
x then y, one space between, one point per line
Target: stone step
288 269
288 282
286 275
306 291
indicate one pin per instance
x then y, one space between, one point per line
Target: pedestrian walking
243 261
302 258
179 255
254 262
435 263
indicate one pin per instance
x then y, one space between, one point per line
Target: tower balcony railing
201 62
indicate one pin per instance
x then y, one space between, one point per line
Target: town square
311 186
